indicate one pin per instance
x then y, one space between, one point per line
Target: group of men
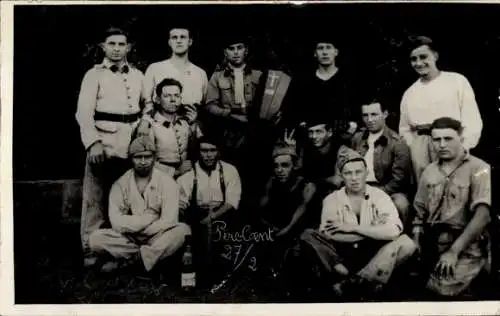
169 153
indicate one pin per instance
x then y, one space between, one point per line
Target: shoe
89 261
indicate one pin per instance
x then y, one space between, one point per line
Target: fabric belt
171 164
123 118
424 129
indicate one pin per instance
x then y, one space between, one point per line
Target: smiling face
116 48
236 54
325 53
423 60
319 135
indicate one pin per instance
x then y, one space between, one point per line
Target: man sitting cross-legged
143 211
359 241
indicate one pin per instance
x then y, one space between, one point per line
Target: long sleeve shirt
209 189
127 206
450 94
194 81
377 209
110 92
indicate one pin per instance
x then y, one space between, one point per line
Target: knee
184 229
407 245
96 240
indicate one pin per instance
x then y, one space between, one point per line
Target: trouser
422 154
151 249
370 259
437 242
97 182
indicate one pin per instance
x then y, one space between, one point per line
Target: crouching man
452 212
143 211
359 241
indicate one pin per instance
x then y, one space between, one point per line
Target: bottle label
188 279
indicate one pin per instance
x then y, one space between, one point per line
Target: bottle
188 274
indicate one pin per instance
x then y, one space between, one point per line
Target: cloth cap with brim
141 144
209 137
284 149
347 155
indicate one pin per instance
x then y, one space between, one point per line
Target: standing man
144 214
453 210
172 133
108 112
325 93
192 78
386 154
230 98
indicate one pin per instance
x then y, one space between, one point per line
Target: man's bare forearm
473 230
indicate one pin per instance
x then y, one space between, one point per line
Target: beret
141 144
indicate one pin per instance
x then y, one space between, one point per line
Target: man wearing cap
452 206
386 154
325 93
172 133
318 159
286 199
144 214
230 98
209 195
108 112
193 79
359 241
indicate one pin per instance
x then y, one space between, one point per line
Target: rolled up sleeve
481 187
330 214
233 186
387 214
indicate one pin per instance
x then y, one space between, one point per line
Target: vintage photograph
255 153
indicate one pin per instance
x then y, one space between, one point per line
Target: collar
368 192
382 140
159 118
218 165
106 63
228 71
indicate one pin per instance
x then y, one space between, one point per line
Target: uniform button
128 97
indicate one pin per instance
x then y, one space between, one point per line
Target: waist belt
123 118
424 129
174 165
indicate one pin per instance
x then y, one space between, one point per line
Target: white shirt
117 93
377 209
209 188
369 156
193 79
450 94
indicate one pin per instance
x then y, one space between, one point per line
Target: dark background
54 47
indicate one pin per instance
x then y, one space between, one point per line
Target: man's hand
240 118
289 139
445 268
96 153
143 128
353 126
344 228
191 113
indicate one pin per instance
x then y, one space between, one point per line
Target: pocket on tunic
458 194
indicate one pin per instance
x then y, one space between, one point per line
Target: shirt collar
383 139
106 63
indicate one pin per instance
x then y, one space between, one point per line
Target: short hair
417 41
114 31
181 27
373 100
165 83
447 122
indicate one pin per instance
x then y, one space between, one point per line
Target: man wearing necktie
170 130
108 111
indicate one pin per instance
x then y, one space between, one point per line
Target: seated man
169 127
359 239
209 195
143 211
387 156
452 212
283 205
